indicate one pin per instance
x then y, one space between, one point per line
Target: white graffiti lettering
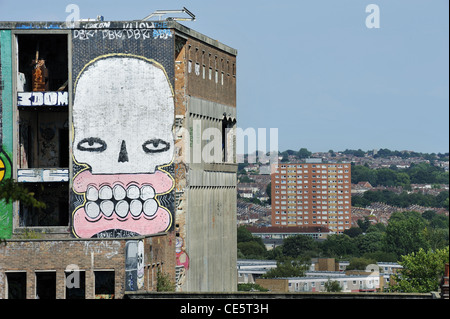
42 98
126 33
84 34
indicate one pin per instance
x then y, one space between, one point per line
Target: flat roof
180 29
288 229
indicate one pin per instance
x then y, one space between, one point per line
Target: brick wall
202 59
274 285
89 255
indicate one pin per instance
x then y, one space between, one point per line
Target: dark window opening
44 139
56 198
227 139
75 285
104 284
46 285
17 285
43 61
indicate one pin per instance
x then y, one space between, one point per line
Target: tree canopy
422 271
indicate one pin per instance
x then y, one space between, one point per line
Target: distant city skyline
317 70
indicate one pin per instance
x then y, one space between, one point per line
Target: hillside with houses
398 174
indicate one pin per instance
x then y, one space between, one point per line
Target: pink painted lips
121 202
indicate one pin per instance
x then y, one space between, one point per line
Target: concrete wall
205 181
274 285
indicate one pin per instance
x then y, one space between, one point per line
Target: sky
313 69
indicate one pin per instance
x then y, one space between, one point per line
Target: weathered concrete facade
117 142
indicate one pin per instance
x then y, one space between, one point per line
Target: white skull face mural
123 115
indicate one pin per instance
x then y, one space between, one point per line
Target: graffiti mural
123 146
134 265
5 208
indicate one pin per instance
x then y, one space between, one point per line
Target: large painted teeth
122 208
136 207
107 207
147 192
105 192
119 192
133 192
150 207
92 209
108 200
92 193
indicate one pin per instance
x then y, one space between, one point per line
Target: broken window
75 284
228 139
104 284
46 285
17 285
43 126
55 196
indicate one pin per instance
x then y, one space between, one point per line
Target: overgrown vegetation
406 232
11 191
164 283
422 173
422 271
251 287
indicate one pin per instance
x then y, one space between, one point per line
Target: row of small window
313 191
313 186
296 197
314 202
284 223
46 284
307 177
303 286
298 201
197 70
295 207
293 172
313 217
223 63
290 166
283 212
339 181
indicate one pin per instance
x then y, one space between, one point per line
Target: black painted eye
92 144
155 146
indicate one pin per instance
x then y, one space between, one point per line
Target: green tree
405 233
364 224
360 263
11 191
370 242
422 271
299 245
339 246
164 283
332 286
269 192
249 246
288 267
303 153
252 250
353 231
243 234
